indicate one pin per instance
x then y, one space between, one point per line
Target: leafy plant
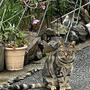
12 37
11 14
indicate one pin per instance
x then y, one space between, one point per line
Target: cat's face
66 51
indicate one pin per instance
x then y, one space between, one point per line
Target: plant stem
12 16
79 11
2 18
71 23
1 3
43 17
22 16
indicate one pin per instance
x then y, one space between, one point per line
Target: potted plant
15 45
10 35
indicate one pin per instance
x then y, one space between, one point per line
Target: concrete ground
5 75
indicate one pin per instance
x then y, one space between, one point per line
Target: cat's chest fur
56 66
61 69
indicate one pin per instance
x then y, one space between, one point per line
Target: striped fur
26 86
56 71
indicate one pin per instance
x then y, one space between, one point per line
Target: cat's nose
65 54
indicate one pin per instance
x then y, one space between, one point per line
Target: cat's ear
73 43
60 43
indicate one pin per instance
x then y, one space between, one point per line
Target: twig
2 18
79 12
36 4
71 2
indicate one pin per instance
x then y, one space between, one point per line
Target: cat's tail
26 86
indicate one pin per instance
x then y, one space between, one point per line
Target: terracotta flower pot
14 58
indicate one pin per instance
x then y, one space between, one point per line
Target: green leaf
18 42
6 36
12 43
1 38
21 35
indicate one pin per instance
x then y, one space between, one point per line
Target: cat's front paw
53 88
68 87
62 88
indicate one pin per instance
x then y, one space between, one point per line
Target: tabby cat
57 69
